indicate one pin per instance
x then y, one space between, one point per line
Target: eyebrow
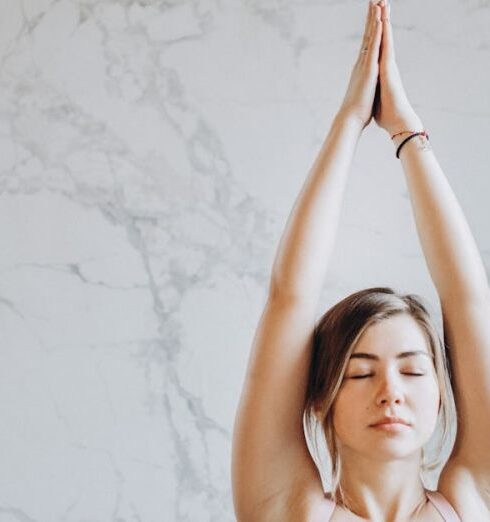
402 355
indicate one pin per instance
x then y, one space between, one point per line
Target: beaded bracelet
422 133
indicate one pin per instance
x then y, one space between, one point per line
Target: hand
392 110
359 98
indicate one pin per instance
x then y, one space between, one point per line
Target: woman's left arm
450 250
459 275
456 269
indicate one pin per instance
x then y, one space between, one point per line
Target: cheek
428 398
425 409
429 389
349 408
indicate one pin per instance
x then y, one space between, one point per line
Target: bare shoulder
466 490
271 463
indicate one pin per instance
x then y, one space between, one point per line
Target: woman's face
388 390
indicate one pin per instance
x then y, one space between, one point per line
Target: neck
382 489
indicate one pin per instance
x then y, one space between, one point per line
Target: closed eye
370 375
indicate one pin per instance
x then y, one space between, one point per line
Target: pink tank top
438 500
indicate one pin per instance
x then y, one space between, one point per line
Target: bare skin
385 483
274 476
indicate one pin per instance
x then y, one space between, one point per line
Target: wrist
411 140
404 128
412 124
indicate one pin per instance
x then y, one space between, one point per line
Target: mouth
390 422
391 426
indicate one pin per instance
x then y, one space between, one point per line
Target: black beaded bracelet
423 133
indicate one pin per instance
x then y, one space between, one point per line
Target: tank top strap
437 499
443 506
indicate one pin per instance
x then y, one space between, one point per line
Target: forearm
450 250
309 236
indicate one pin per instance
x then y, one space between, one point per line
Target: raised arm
452 256
270 458
308 239
272 470
455 266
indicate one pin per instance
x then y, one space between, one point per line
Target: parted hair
335 336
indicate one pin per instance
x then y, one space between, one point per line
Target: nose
389 391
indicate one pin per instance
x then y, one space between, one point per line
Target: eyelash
370 375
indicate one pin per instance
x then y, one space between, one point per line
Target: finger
388 47
376 35
367 28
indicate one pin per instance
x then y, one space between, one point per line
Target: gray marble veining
150 153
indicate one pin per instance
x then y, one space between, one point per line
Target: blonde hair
334 340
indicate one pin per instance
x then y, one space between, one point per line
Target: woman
373 371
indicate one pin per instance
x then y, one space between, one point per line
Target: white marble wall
150 153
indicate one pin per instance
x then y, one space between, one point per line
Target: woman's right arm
271 462
308 240
274 477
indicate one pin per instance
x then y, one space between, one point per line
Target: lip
389 421
391 426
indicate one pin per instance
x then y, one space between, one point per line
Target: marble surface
150 153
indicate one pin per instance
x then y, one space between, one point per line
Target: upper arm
467 335
269 451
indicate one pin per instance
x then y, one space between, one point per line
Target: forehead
396 337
